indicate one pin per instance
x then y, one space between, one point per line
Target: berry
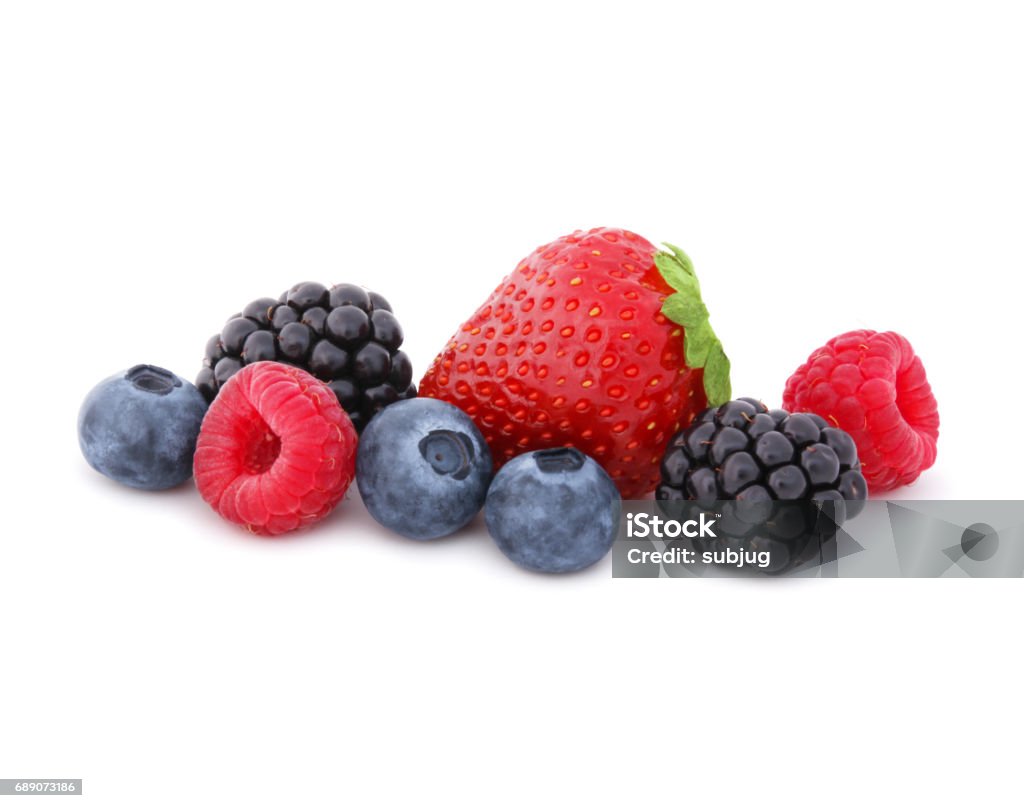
781 482
344 336
874 387
276 451
596 341
423 468
139 427
730 452
553 510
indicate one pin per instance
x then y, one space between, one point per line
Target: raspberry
874 387
276 451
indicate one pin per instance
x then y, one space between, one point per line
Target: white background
827 168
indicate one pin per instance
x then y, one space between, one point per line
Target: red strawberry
597 341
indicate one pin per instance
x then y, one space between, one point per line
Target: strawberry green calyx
702 347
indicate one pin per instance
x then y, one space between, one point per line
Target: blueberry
553 510
140 427
423 468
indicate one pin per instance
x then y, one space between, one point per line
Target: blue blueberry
140 427
554 510
423 468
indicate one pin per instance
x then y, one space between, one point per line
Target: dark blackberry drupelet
742 450
346 336
772 474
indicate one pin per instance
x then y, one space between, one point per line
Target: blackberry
346 336
782 480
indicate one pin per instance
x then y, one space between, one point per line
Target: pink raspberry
276 451
874 387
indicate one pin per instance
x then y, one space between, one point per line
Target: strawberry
597 341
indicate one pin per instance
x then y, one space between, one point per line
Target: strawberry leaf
717 385
685 309
701 347
697 343
682 258
676 275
